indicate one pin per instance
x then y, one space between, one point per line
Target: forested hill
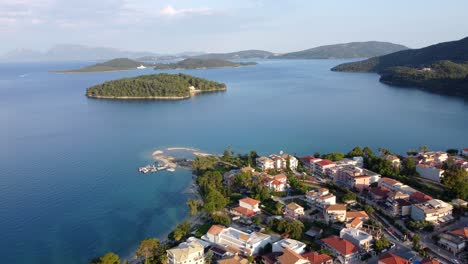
244 54
155 86
192 63
345 50
119 64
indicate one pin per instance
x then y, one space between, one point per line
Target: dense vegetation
112 65
245 54
200 64
447 62
346 50
152 86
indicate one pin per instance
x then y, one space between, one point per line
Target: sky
164 26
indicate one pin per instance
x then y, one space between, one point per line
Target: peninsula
193 63
441 68
155 86
120 64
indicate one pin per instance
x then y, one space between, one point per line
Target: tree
193 205
147 248
367 152
423 149
452 152
279 208
349 196
221 219
416 240
181 231
110 258
214 200
412 152
334 156
317 155
355 152
369 209
408 167
382 243
209 257
384 151
201 164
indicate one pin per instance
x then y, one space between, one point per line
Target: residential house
294 245
293 210
265 163
320 198
335 213
247 207
317 258
237 241
320 167
419 197
308 162
276 183
459 202
236 259
452 242
430 172
436 157
395 185
356 219
398 204
391 258
357 237
435 211
187 252
342 249
352 177
394 160
293 162
379 193
291 257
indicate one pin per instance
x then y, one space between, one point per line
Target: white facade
186 253
357 237
265 163
250 204
435 211
294 245
430 172
320 198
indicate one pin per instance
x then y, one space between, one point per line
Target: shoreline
192 93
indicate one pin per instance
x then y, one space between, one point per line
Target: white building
320 198
293 210
335 213
187 252
293 162
265 163
357 237
235 240
435 211
247 207
430 172
294 245
465 152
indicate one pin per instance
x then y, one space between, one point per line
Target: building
265 163
435 211
276 183
429 261
394 160
294 245
430 172
352 177
293 162
357 237
465 152
437 157
237 241
454 241
247 207
293 210
395 185
320 198
335 213
291 257
317 258
321 166
343 250
187 252
356 219
308 162
390 258
379 193
459 202
233 260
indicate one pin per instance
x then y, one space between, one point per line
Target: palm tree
147 248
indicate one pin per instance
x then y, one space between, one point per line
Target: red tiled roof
336 207
355 222
243 211
289 257
309 158
360 214
390 258
461 232
380 191
316 258
389 181
420 197
280 177
215 229
276 182
325 162
341 245
250 201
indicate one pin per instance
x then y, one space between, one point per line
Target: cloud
170 11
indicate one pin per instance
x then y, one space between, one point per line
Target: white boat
141 67
171 169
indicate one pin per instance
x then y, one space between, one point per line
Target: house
394 160
356 219
437 158
294 245
459 202
293 210
278 162
233 260
379 193
452 242
395 185
462 232
435 211
293 162
357 237
430 172
465 152
314 232
321 166
320 198
352 177
399 207
343 250
291 257
335 213
419 197
308 162
317 258
276 183
191 252
265 163
390 258
247 207
237 241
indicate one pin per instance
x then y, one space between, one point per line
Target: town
358 207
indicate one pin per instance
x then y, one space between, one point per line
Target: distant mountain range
440 68
345 51
86 53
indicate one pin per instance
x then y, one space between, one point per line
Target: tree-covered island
193 63
120 64
154 86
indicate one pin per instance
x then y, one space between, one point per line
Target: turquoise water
69 189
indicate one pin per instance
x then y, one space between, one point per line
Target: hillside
193 63
154 86
119 64
245 54
439 68
343 51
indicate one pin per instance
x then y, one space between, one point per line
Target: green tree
408 167
181 231
384 151
221 219
355 152
201 163
279 208
369 209
423 149
367 152
193 205
147 248
209 257
214 200
334 156
349 196
110 258
382 243
452 152
416 240
317 155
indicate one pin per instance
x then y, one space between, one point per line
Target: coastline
192 93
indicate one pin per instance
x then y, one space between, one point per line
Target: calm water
69 189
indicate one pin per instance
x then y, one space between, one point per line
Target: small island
161 86
191 63
120 64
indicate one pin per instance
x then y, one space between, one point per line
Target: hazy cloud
170 11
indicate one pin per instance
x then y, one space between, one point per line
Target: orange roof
243 211
390 258
316 258
360 214
250 201
276 183
280 177
215 230
420 197
341 245
429 261
356 222
389 181
325 162
336 207
461 232
289 257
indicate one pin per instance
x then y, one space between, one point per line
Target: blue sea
69 186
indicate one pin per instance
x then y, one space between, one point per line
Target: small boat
171 169
162 168
141 67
